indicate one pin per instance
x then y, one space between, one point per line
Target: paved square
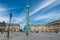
32 36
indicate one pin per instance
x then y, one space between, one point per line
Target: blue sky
41 11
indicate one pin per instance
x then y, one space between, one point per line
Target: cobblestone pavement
31 36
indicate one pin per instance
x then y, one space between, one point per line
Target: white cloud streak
43 6
4 11
4 19
18 20
48 16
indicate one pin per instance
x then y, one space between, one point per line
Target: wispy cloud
50 16
6 19
42 6
45 4
21 19
4 11
17 20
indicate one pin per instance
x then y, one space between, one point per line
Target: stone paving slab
32 36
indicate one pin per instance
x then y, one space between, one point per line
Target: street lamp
4 25
10 17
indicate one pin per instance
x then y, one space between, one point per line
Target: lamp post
10 17
4 25
57 27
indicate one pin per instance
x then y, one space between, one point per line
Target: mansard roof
54 22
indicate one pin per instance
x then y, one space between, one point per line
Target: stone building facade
54 26
49 27
36 27
2 26
13 27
